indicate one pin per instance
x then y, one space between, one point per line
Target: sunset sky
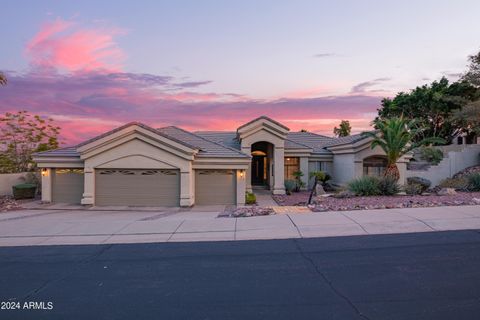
213 65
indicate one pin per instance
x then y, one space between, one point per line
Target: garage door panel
67 185
137 187
215 187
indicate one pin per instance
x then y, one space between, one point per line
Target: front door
259 170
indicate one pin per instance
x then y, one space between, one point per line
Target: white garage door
215 187
67 185
125 187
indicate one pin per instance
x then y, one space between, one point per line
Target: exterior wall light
44 172
242 173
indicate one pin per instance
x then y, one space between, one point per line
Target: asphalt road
408 276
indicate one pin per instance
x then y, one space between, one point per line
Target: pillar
241 187
47 182
304 170
279 170
88 187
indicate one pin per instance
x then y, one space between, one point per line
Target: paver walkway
60 227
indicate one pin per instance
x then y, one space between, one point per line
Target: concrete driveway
61 227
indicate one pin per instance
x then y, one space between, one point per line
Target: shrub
413 189
250 198
365 186
422 185
298 180
431 155
289 186
456 183
24 191
474 182
388 186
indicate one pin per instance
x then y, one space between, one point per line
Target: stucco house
136 165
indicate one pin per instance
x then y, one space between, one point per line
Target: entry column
279 170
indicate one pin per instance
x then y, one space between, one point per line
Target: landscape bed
378 202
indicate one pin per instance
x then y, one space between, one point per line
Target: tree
468 118
21 135
343 130
303 130
431 106
397 136
3 79
472 76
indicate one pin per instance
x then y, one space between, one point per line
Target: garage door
122 187
215 187
67 185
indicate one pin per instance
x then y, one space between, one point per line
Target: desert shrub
474 182
388 186
365 186
431 155
456 183
250 198
299 184
422 185
289 186
413 189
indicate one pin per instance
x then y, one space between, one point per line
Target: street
432 275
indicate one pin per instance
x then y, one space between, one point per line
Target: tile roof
315 141
207 147
346 140
62 152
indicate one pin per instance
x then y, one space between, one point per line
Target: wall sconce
242 173
44 172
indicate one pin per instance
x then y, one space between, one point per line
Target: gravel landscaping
379 202
7 203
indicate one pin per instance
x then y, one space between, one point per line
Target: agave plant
395 137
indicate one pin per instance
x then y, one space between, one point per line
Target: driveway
59 227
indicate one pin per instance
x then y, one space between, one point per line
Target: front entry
259 170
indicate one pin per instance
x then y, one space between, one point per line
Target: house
136 165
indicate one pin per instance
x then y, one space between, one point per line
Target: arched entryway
262 154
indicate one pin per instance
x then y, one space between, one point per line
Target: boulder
319 190
419 185
476 200
446 192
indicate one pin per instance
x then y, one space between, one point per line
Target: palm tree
395 136
3 79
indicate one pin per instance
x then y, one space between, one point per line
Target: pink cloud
88 98
64 45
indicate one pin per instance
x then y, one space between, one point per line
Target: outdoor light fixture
44 172
242 173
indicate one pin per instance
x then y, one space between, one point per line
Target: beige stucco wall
8 180
138 154
456 158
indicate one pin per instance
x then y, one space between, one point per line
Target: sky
214 65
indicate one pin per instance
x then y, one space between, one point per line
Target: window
291 165
374 166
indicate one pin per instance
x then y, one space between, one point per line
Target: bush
289 186
388 186
422 185
455 183
474 182
299 184
431 155
365 186
24 191
250 198
413 189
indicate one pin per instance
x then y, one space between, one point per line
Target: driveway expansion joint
175 231
296 227
354 221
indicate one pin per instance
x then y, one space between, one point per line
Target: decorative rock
446 192
319 190
476 200
344 194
